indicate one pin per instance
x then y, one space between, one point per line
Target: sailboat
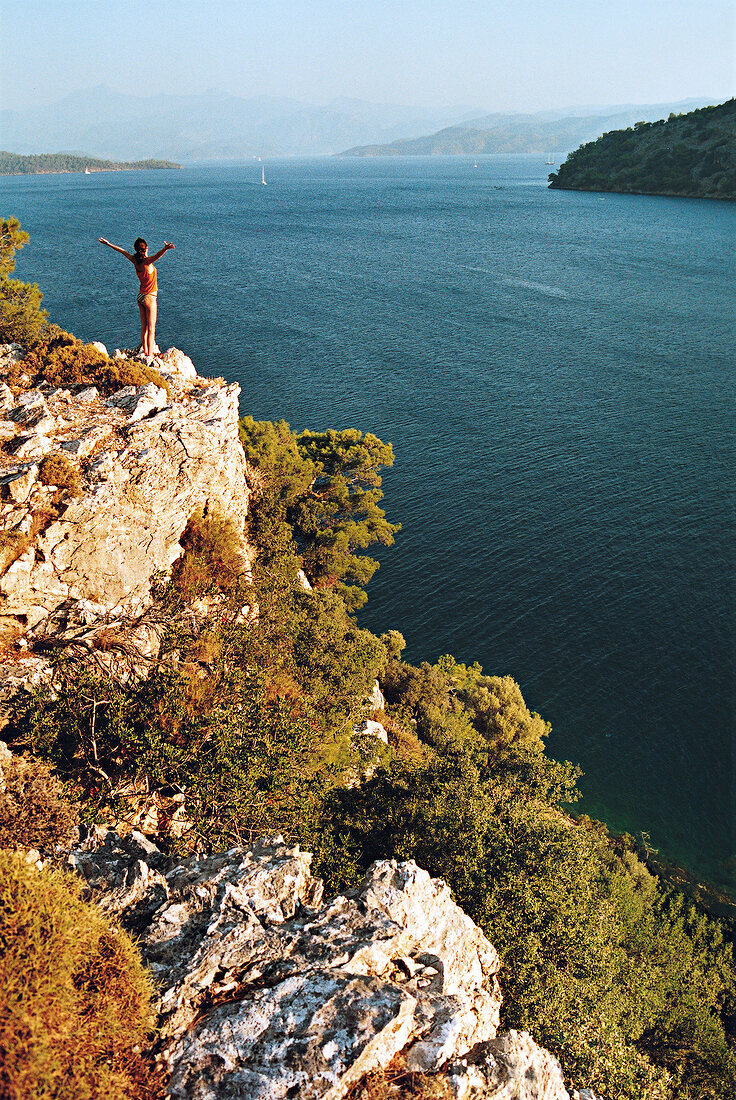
549 159
263 175
87 172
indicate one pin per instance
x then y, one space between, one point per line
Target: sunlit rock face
145 461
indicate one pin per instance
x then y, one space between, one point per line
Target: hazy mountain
554 132
210 126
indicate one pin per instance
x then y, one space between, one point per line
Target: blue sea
555 373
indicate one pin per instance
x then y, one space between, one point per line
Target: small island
39 164
690 155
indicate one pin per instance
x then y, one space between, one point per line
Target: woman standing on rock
147 296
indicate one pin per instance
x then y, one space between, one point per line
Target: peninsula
38 164
691 155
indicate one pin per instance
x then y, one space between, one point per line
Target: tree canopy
329 487
21 318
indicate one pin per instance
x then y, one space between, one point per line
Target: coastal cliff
182 676
136 465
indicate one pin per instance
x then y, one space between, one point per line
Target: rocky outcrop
267 991
143 461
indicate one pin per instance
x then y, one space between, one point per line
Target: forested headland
249 724
36 164
691 155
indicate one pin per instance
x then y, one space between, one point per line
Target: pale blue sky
513 55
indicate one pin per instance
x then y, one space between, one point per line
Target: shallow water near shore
554 370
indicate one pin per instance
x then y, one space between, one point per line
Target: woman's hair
139 245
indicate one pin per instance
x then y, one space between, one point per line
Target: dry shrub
59 469
13 544
75 1001
108 638
212 560
63 360
396 1083
207 647
34 810
403 741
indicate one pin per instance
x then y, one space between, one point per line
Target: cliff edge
96 492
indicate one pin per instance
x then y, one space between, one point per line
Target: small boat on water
87 172
263 175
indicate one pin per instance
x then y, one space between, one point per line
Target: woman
148 278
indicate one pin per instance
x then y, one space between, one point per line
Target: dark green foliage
15 164
247 763
75 1001
12 239
21 317
329 486
692 155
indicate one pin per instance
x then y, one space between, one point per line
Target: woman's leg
152 325
144 325
148 324
152 300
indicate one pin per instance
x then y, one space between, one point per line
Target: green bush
21 318
75 1001
327 487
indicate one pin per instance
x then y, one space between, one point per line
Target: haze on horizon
534 55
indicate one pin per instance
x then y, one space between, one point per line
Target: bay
555 372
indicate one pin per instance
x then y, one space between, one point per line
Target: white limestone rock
511 1067
17 485
175 364
6 394
267 992
369 728
166 457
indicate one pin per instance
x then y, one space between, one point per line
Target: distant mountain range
216 127
211 126
552 132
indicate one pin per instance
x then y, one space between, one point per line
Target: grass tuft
75 1000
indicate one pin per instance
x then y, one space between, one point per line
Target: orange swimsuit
148 279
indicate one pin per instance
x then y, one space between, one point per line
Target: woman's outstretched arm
115 248
159 254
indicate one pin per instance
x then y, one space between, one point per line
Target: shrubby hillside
690 155
253 720
15 164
